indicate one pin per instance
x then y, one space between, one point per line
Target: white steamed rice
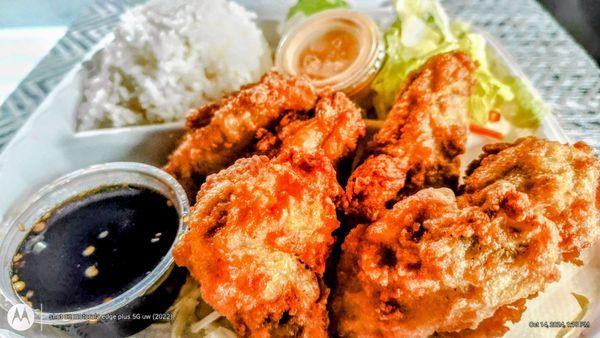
169 56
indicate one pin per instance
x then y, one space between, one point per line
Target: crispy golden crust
259 237
421 139
562 180
496 325
261 230
219 133
277 114
427 266
463 266
333 128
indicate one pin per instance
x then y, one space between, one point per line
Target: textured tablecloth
558 67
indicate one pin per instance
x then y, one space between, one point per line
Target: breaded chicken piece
427 266
259 236
219 133
421 139
562 180
462 266
261 230
333 127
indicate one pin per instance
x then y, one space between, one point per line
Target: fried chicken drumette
421 139
562 180
261 230
333 127
446 265
219 133
276 114
259 236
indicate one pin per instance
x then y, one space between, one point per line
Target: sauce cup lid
360 72
68 187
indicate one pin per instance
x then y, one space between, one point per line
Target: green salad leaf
410 41
422 30
527 110
310 7
489 91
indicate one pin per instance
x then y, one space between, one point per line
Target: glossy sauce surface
93 248
328 54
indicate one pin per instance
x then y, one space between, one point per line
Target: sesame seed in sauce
19 286
39 227
91 271
88 251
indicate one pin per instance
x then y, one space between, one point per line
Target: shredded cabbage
526 110
422 30
194 318
204 322
310 7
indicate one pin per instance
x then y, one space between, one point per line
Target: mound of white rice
168 56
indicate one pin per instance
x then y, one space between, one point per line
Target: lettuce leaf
422 30
310 7
527 110
489 92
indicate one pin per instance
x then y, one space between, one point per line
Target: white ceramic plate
48 146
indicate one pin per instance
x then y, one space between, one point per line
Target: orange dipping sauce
340 49
328 54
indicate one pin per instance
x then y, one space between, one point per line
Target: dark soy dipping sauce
130 229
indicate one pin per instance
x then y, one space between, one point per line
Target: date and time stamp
559 324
